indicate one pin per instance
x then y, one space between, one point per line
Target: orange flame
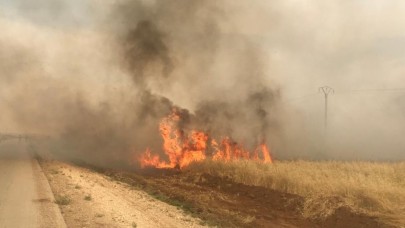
183 149
266 154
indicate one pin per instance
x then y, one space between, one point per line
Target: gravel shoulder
90 199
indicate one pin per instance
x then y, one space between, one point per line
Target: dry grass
88 198
376 189
62 200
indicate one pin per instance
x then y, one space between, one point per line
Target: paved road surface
25 196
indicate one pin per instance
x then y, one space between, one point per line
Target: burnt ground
224 203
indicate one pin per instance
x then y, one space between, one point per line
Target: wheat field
373 188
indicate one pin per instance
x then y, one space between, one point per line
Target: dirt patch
91 199
222 202
343 217
111 198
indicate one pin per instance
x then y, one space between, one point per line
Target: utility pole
326 90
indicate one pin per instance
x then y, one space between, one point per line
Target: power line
304 97
375 90
299 98
326 90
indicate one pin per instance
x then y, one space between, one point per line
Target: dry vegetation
376 189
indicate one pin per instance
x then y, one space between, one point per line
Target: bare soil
91 199
222 202
172 198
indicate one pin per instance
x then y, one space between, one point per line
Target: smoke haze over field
102 75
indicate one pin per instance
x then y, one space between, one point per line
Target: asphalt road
26 199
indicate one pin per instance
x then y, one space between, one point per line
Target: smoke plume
101 77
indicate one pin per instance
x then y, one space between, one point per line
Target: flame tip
182 149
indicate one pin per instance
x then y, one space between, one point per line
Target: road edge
45 190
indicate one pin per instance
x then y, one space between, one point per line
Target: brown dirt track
221 202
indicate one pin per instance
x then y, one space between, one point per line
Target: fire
182 148
266 153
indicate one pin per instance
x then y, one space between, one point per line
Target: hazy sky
49 13
345 44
